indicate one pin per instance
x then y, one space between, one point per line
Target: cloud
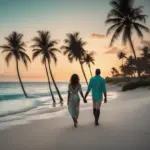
116 50
146 43
113 50
99 36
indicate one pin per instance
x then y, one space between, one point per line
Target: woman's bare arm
81 93
68 94
68 98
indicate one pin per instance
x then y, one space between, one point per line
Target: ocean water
14 106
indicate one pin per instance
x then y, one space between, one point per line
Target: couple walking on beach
98 87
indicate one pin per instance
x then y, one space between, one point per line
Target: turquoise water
14 106
12 99
12 90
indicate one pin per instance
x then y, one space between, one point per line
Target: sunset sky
61 17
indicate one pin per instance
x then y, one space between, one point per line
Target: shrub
134 85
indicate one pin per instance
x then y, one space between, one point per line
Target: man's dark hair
98 72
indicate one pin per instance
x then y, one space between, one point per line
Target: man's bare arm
86 94
105 99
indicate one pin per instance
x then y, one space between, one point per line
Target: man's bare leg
94 110
98 106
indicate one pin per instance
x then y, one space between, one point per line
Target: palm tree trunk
90 69
49 84
60 97
133 50
124 71
17 67
84 73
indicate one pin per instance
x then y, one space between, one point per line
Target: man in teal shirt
98 87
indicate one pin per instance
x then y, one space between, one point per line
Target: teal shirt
98 87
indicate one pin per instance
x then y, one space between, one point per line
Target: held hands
84 99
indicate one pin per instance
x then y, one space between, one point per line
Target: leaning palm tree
36 53
124 19
74 50
115 72
89 59
121 55
15 47
45 46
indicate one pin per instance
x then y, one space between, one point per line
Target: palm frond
89 58
7 47
142 27
8 58
52 43
113 21
45 46
116 34
55 50
35 54
141 18
14 45
113 27
6 50
66 41
53 56
138 31
70 58
37 40
115 4
137 11
34 46
25 58
114 13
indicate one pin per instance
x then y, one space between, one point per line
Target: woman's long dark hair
74 80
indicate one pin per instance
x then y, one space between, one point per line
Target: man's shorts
97 104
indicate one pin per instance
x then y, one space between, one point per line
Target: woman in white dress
73 97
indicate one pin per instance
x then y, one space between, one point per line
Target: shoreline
47 108
124 124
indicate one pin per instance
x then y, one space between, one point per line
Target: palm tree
131 62
74 50
128 70
121 55
89 59
145 53
114 71
15 47
36 53
43 45
124 19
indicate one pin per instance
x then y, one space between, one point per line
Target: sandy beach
124 125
